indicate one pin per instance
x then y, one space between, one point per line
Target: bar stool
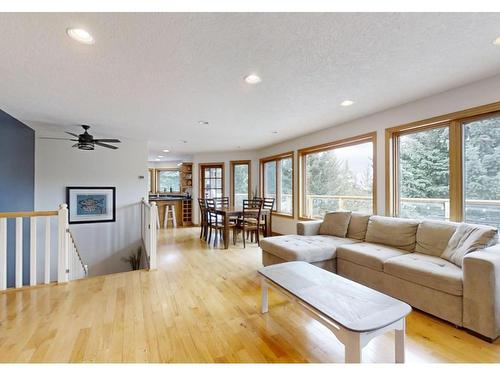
169 216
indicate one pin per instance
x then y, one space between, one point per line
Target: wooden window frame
454 121
157 180
201 179
232 164
152 180
346 142
277 158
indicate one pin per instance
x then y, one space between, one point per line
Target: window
481 138
151 174
277 182
212 180
240 182
424 174
168 180
338 176
447 167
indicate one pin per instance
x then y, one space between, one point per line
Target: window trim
277 158
201 180
232 164
345 142
454 121
152 180
157 180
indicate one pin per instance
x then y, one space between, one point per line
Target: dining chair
249 222
267 204
216 221
222 202
204 218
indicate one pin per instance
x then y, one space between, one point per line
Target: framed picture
91 204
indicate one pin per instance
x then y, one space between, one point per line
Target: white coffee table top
352 305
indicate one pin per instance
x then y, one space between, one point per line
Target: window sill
286 216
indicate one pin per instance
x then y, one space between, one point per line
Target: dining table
230 212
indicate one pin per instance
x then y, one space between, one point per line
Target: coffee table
353 312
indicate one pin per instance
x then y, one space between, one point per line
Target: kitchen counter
176 201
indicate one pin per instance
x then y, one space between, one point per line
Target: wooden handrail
27 214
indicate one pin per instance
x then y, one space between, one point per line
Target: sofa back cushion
433 236
390 231
468 238
357 226
335 223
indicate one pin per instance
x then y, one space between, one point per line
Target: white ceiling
153 76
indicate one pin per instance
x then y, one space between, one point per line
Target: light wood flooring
201 305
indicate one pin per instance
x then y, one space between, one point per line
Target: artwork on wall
90 204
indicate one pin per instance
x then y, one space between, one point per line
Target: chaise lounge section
447 269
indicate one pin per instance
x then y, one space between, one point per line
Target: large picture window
424 174
168 181
481 144
338 176
277 182
447 167
240 182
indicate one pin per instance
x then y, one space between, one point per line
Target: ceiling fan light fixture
85 146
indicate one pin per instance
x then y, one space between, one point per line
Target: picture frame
91 204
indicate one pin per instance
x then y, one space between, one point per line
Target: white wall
222 157
58 165
479 93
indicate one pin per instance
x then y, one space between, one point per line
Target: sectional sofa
447 269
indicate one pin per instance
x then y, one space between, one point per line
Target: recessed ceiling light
80 35
166 150
346 103
160 156
157 159
496 42
202 122
252 79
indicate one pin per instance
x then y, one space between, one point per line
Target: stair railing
149 225
64 238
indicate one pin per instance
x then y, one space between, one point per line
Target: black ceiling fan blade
60 139
105 145
73 134
75 145
108 140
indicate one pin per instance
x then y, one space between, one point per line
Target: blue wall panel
17 184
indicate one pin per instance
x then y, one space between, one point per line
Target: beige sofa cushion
335 223
368 254
433 236
392 231
306 248
468 238
357 226
427 270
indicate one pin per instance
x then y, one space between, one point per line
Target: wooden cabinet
187 212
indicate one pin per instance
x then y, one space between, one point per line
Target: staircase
69 262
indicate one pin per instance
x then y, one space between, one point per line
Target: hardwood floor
201 305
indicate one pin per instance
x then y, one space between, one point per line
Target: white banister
62 246
19 252
3 253
47 250
149 219
69 260
32 250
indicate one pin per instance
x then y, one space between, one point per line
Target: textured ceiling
153 76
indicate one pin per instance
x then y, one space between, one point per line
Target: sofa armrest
481 288
308 228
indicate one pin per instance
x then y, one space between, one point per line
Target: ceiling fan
86 141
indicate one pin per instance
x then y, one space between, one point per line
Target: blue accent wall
17 184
